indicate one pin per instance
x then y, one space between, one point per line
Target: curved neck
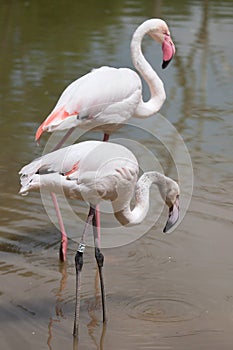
142 191
158 96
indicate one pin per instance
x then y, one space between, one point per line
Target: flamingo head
172 201
161 34
29 184
173 215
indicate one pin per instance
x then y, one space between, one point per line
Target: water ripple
163 309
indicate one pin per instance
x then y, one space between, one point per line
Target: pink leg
64 240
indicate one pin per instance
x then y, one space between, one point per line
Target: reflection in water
44 48
91 305
187 78
92 325
99 345
58 303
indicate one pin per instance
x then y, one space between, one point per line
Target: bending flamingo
107 97
94 171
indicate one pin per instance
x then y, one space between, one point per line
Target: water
163 292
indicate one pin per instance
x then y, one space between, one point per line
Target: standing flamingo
107 97
94 171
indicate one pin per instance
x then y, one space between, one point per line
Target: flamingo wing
86 162
63 161
104 93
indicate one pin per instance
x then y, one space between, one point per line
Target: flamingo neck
158 96
142 192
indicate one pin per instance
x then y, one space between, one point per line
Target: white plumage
95 171
107 97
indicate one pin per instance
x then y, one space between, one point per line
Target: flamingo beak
173 215
23 191
39 132
169 50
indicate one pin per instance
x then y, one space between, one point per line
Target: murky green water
163 292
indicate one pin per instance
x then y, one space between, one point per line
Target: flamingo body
103 99
90 170
94 171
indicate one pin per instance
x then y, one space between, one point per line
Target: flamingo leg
64 239
99 258
106 137
98 254
78 266
65 137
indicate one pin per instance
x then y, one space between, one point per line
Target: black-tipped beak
173 216
168 49
165 64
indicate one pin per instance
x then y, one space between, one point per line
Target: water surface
163 292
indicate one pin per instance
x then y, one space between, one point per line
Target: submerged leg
78 266
99 258
64 240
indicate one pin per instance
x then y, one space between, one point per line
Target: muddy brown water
163 292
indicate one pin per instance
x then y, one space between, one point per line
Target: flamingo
95 171
107 97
